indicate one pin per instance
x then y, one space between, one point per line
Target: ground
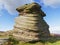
52 41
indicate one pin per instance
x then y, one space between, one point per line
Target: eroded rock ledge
30 24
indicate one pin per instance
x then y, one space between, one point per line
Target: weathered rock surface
30 25
3 40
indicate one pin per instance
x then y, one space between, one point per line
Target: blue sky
50 7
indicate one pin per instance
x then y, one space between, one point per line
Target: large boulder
30 24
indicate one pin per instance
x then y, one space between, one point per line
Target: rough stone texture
31 8
30 25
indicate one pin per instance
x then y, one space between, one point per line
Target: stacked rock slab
30 25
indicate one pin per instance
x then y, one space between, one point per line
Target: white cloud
55 29
11 5
51 3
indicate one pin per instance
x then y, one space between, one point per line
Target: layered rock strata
30 25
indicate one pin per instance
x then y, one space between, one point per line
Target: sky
8 13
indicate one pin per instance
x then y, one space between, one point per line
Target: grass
51 41
55 43
23 43
39 43
4 36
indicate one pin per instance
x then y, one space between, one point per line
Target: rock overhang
34 8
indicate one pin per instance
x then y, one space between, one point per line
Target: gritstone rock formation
30 25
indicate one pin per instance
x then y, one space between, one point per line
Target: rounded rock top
33 8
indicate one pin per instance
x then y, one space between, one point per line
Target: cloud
55 29
11 5
51 3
